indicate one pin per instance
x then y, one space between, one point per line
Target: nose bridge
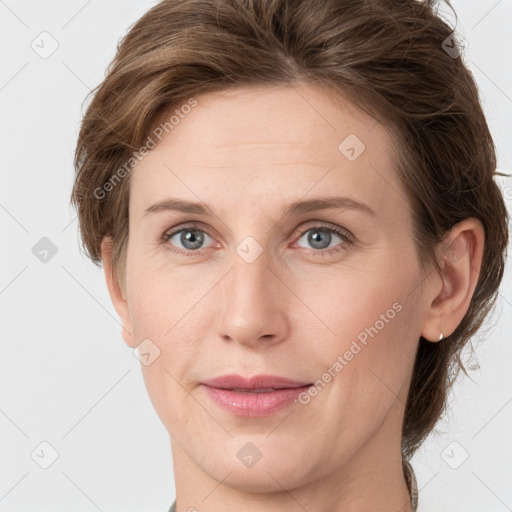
250 271
250 304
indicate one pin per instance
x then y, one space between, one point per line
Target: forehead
276 142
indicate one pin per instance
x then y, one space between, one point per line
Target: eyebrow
297 208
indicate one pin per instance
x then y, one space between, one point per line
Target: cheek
165 311
352 304
160 296
373 321
168 308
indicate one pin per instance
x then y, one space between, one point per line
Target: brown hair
395 59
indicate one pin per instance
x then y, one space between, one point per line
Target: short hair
397 60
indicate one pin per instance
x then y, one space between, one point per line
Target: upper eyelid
184 226
328 226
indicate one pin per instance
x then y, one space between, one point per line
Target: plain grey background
68 380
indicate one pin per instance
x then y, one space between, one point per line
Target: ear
460 261
116 293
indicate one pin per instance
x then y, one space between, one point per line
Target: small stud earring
441 336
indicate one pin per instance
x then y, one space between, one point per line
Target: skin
247 154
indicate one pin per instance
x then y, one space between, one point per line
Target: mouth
259 396
261 383
243 390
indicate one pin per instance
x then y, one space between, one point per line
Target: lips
258 383
259 396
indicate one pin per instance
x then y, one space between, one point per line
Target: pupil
192 236
313 239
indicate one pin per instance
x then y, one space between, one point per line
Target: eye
320 238
191 239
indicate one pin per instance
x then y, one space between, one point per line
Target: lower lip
254 404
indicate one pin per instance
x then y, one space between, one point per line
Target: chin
270 473
259 481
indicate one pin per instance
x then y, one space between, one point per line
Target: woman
294 205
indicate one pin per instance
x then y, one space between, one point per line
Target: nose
252 303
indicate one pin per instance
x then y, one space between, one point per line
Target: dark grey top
410 478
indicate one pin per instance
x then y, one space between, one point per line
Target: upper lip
256 382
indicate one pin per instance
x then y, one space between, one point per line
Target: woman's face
252 288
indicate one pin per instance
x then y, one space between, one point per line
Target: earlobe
460 261
116 293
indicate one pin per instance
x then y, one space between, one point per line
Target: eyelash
330 228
